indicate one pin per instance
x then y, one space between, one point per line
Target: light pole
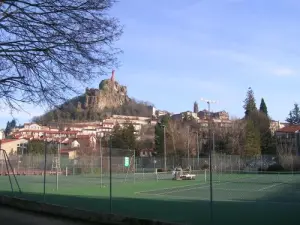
210 156
101 158
110 173
188 146
165 147
45 168
197 147
57 163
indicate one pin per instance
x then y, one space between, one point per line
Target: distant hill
98 104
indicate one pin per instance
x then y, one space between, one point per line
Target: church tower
196 107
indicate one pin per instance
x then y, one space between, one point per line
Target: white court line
271 186
268 187
202 185
240 190
161 189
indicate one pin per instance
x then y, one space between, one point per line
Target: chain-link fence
139 184
129 163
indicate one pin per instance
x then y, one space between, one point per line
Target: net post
292 165
221 164
45 170
143 173
134 166
156 175
230 165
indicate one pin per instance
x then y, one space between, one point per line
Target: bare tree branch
48 47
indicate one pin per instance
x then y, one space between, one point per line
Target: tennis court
247 198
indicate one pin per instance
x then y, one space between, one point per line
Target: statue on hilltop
109 95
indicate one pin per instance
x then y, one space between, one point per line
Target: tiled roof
50 132
290 129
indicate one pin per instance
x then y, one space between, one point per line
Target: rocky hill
109 95
96 104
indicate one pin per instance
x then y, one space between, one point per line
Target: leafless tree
233 135
181 139
285 145
50 47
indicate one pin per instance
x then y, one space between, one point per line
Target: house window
21 148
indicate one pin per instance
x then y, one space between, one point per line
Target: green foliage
294 116
159 133
124 137
36 147
252 142
268 143
147 143
9 126
103 84
258 126
263 107
129 136
262 123
249 102
70 112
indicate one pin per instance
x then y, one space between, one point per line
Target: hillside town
73 135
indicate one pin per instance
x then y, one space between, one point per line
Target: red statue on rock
112 76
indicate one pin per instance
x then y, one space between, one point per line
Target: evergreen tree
268 143
294 116
249 102
262 123
37 147
124 137
9 127
196 107
128 133
263 107
252 142
117 137
159 133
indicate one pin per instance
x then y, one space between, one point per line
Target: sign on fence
126 162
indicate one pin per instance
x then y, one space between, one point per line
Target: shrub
205 166
275 167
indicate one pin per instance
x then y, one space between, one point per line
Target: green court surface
237 198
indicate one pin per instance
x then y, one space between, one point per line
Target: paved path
9 216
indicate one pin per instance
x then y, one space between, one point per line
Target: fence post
45 170
230 165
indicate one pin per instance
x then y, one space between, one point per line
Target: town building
13 146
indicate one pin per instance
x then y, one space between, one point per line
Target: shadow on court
274 208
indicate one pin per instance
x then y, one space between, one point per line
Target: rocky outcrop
109 95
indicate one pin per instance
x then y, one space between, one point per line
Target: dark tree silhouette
294 116
249 102
263 107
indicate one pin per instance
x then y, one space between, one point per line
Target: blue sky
176 52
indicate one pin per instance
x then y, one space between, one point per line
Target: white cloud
259 63
232 55
283 72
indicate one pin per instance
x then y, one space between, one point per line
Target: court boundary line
176 197
272 186
202 185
